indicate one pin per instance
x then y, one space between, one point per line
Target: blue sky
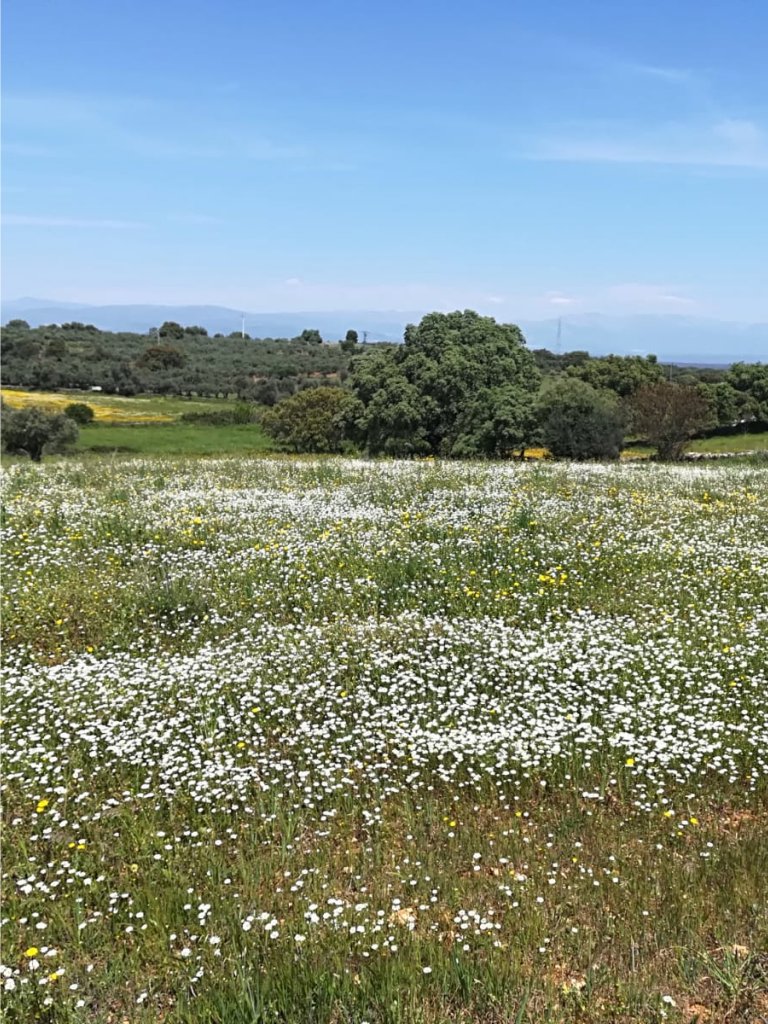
523 159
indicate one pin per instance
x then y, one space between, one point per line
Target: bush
81 413
668 415
33 432
309 421
242 413
578 421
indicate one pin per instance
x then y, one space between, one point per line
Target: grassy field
733 443
174 439
338 741
116 409
148 425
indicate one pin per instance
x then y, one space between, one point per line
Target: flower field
106 409
341 741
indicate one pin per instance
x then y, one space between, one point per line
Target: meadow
114 409
148 424
343 741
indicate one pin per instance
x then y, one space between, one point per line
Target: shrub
309 421
242 413
33 432
578 421
81 413
667 415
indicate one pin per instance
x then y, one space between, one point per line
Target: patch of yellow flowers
51 401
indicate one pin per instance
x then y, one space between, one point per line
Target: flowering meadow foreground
346 741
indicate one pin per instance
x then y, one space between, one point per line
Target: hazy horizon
549 316
671 337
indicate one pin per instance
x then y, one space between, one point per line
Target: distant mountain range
673 338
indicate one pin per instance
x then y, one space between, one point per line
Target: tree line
460 385
169 360
464 386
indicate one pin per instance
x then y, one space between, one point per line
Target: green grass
731 443
174 439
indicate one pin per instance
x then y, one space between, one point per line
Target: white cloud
731 142
138 125
25 220
740 132
650 297
677 76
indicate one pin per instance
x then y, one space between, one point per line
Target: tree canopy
460 385
622 374
750 381
170 329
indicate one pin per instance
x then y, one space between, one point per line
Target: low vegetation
335 741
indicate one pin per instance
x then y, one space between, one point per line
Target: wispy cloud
196 219
626 297
139 126
675 76
649 296
730 142
33 221
562 301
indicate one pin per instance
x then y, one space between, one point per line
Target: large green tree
460 385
